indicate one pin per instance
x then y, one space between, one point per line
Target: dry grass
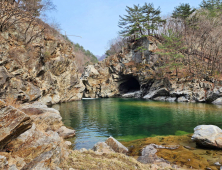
112 161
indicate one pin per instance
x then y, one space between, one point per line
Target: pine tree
182 12
214 7
211 4
131 23
152 18
172 48
140 20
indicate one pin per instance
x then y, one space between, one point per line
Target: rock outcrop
44 70
134 73
208 136
29 138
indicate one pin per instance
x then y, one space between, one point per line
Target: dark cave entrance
130 85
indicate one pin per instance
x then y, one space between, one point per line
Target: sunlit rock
208 136
116 145
13 122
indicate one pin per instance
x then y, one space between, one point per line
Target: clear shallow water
129 119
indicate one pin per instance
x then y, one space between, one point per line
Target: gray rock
171 99
68 143
182 99
83 150
102 147
65 133
13 167
13 122
160 98
217 164
3 162
209 136
149 155
218 101
157 93
136 94
116 145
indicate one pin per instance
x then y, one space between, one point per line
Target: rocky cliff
43 70
134 73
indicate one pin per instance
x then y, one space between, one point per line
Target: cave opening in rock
130 85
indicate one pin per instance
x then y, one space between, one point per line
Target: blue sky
96 21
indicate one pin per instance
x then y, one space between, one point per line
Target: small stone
217 164
208 168
83 150
65 133
3 162
68 143
188 147
13 167
102 147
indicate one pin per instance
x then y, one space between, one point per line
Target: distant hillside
100 58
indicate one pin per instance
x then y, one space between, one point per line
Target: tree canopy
183 11
140 20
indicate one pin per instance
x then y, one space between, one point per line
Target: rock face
13 122
208 136
45 70
29 138
133 74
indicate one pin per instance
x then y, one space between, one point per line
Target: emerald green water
129 119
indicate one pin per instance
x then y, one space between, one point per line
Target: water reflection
128 119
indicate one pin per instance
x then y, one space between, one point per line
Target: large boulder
45 118
116 145
208 136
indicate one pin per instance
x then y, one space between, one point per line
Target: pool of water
129 119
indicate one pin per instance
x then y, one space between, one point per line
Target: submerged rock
116 145
208 136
